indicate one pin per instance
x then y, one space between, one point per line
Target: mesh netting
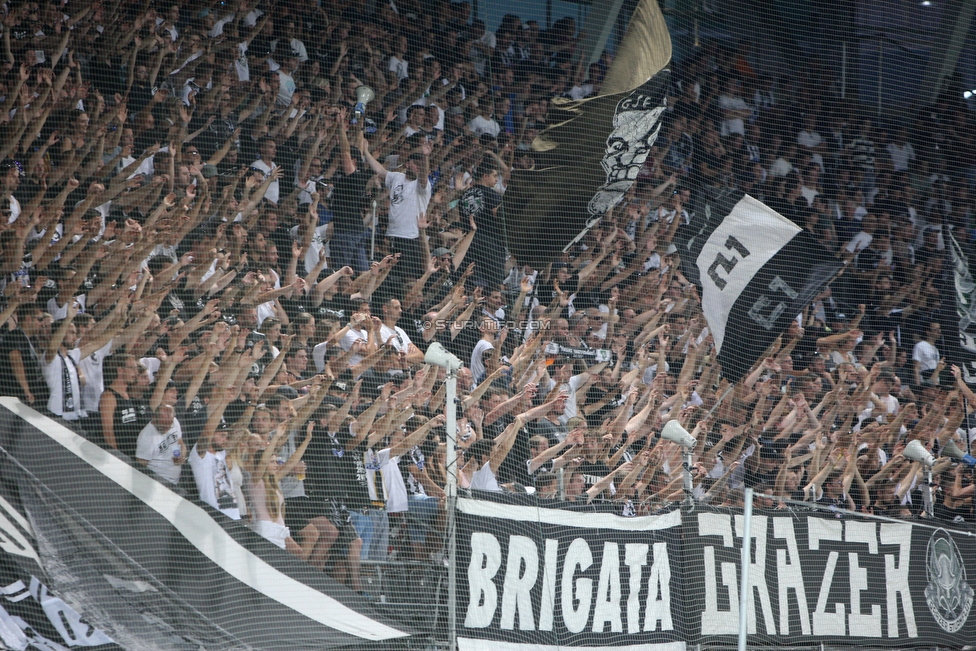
277 276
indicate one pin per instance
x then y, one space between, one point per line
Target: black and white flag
756 269
963 351
593 149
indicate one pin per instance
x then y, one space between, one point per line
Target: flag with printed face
756 271
594 148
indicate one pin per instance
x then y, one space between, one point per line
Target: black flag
756 269
591 154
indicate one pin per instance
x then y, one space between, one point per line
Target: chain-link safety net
417 324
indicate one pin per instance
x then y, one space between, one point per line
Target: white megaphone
437 355
915 451
952 450
673 431
364 95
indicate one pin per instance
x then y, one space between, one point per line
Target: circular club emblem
948 595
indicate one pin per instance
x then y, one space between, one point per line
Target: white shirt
396 336
400 67
809 139
478 55
158 449
349 339
68 407
91 367
477 365
214 482
891 407
480 125
484 479
286 88
318 356
393 484
571 387
926 355
273 190
901 156
241 66
733 125
407 200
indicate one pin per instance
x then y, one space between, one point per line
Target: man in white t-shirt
410 193
358 334
398 65
396 336
882 406
486 457
160 445
267 148
734 109
286 89
59 364
903 154
483 44
484 122
208 460
489 328
926 355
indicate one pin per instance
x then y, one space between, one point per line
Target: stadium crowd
215 256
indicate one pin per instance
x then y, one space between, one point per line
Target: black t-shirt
192 417
480 202
17 340
439 285
593 471
348 200
334 473
125 424
514 468
546 292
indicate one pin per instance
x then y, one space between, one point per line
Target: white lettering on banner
578 600
608 591
549 586
840 602
635 556
896 577
825 623
659 610
486 558
837 619
790 577
858 623
517 592
578 555
713 620
757 574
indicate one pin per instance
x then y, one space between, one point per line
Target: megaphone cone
952 450
915 451
364 95
673 431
